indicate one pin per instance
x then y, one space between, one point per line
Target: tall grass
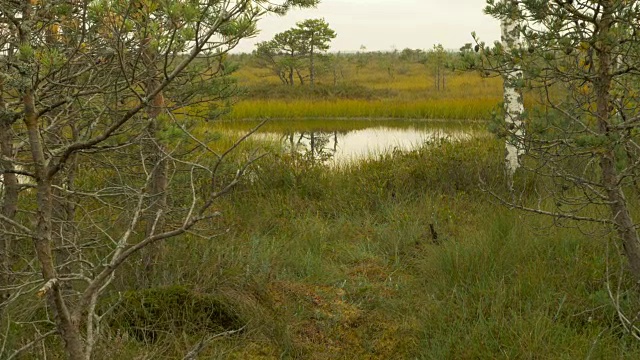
334 264
423 109
340 125
511 292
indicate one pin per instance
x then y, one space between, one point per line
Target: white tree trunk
513 102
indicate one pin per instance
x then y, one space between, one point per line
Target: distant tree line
294 57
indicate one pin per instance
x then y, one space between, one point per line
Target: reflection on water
345 146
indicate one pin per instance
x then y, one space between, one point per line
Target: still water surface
345 145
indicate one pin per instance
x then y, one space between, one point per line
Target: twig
197 349
47 287
29 345
547 213
25 229
615 299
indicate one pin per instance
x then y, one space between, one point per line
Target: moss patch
148 314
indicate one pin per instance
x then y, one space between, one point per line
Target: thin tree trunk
312 76
9 196
158 185
291 76
42 236
300 77
283 77
618 204
513 101
443 79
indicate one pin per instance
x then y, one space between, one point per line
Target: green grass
419 109
335 264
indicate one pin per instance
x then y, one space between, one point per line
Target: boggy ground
342 264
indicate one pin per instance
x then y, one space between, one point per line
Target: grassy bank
450 109
342 264
284 126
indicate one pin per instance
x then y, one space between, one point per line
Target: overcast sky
388 24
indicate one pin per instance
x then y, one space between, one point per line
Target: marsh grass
469 109
334 264
371 91
341 263
284 126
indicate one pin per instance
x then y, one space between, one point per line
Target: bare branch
16 224
31 344
197 349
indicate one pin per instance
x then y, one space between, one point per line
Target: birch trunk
312 75
513 101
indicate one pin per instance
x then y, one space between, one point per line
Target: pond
343 141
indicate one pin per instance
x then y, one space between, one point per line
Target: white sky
388 24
